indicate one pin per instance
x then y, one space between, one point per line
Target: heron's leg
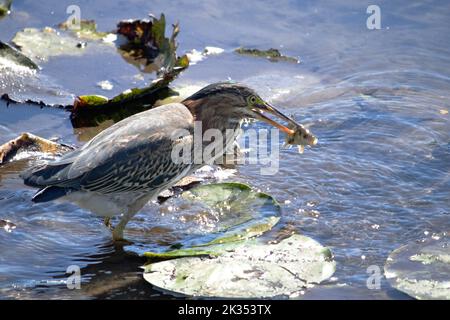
107 222
132 210
117 232
120 227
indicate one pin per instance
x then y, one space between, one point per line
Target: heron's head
230 102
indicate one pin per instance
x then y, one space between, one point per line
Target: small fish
7 225
301 137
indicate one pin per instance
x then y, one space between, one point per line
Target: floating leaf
272 54
41 44
87 30
251 270
421 269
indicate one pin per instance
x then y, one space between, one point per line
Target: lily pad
422 269
243 214
41 44
273 55
252 270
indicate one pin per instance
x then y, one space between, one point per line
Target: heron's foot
122 242
107 223
117 234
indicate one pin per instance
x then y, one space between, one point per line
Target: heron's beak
260 109
293 129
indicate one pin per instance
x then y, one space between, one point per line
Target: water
376 99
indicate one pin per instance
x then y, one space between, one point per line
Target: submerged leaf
38 46
251 270
272 54
421 269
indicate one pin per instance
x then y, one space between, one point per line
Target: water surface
376 99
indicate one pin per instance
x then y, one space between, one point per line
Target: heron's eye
252 100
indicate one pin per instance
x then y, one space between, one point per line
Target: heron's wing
144 168
133 154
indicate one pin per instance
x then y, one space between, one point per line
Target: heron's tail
41 176
50 193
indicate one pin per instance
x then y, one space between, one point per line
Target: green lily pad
41 44
421 269
252 270
244 214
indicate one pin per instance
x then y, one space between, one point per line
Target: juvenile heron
130 163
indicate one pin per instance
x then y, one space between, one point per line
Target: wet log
28 141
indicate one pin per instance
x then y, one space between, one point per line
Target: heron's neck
212 117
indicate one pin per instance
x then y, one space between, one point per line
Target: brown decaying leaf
149 36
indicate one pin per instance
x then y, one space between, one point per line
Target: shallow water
376 99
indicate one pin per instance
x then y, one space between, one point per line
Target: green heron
122 168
